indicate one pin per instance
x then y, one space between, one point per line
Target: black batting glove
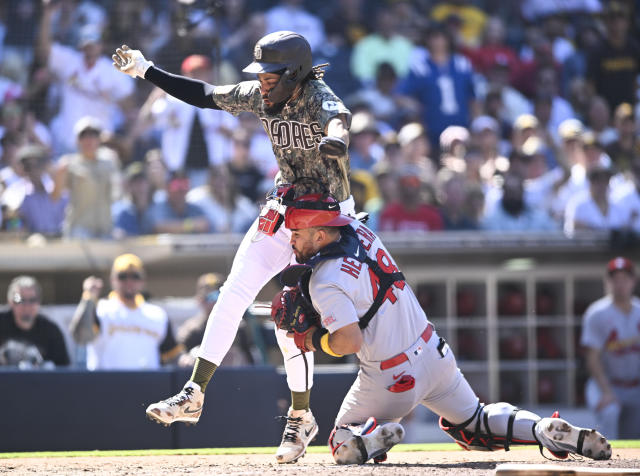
331 146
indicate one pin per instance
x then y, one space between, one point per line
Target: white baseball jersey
343 289
617 335
85 92
129 338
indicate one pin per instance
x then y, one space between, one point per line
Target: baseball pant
258 259
429 377
618 420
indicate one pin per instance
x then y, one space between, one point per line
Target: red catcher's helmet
314 210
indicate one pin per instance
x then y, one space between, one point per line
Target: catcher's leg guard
494 427
356 445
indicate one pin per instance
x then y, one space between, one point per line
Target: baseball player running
308 126
364 306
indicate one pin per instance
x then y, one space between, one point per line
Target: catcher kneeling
348 296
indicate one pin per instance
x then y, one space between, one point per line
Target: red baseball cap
620 263
194 62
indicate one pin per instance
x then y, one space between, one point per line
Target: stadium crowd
506 116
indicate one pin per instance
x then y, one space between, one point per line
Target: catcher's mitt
292 312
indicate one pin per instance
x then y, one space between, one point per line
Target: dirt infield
446 463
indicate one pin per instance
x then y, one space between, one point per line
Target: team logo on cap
257 52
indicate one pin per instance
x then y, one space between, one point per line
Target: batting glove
130 62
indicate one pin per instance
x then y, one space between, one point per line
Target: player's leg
607 417
501 425
254 264
630 421
301 427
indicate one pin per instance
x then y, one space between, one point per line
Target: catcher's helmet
286 53
312 210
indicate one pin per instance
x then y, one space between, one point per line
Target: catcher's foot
561 437
300 430
186 406
375 444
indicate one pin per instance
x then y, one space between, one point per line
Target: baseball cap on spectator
410 132
526 121
363 122
31 151
571 129
127 262
89 34
194 62
620 263
452 134
134 170
482 123
623 111
208 286
87 123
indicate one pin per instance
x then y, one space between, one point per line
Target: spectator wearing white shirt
193 139
89 85
591 209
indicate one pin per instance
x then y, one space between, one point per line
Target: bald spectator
28 338
89 83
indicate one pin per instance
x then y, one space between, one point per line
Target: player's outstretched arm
192 91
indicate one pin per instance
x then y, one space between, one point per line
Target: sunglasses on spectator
212 296
17 299
132 276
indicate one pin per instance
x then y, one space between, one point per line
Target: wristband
315 337
324 344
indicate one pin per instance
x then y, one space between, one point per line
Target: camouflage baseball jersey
295 133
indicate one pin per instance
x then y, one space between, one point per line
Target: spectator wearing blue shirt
442 82
175 214
132 214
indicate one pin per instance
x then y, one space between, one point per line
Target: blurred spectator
39 212
193 138
454 144
452 197
27 338
512 213
132 213
16 119
175 214
513 102
92 178
243 39
469 17
123 331
364 150
547 88
415 149
89 85
591 210
384 45
382 99
626 201
599 120
442 82
157 173
574 67
485 134
190 334
579 96
410 212
555 29
226 210
291 15
493 50
614 67
533 10
610 334
245 173
626 145
350 20
525 126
